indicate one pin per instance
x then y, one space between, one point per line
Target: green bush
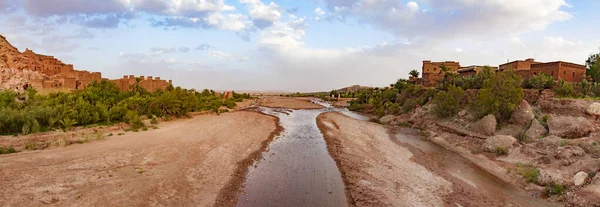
447 103
564 89
7 150
529 172
554 189
540 81
500 95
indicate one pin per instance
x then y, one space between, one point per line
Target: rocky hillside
10 57
352 89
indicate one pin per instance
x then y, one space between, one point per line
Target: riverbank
198 161
383 165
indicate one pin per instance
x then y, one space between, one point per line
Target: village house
559 70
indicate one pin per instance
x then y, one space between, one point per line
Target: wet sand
189 162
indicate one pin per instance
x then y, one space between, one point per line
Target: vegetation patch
529 172
7 150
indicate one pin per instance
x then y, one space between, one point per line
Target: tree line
102 103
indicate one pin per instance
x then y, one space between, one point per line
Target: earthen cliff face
42 71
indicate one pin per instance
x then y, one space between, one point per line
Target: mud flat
190 162
288 103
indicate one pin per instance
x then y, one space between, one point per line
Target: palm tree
448 73
414 73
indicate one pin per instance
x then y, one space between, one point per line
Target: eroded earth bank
188 162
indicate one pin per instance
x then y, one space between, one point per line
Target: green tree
500 95
593 66
414 73
447 103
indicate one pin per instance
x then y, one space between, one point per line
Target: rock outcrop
494 143
485 126
536 130
569 127
594 109
580 178
387 119
523 115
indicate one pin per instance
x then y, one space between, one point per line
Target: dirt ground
285 102
188 162
378 172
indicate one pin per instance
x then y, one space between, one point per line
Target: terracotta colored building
432 74
473 70
149 83
559 70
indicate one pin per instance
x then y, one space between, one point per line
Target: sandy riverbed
289 103
189 162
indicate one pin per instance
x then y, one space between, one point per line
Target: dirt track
191 162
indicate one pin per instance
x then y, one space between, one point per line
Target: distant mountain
352 89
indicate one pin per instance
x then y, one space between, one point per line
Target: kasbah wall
56 74
559 70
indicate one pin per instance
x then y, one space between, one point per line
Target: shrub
528 172
133 119
99 136
540 81
447 103
380 112
153 120
355 106
7 150
554 189
564 89
145 129
500 95
67 123
500 150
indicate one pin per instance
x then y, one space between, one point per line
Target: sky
297 45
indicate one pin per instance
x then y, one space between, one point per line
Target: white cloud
456 18
263 15
222 55
319 12
234 22
459 49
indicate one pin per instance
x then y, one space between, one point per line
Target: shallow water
297 169
470 173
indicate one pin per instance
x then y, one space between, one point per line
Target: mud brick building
473 70
148 83
431 71
559 70
53 73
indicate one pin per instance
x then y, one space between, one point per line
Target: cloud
161 50
184 49
73 7
204 47
450 18
262 14
284 35
234 22
222 55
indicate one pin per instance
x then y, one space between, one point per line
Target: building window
552 73
573 74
